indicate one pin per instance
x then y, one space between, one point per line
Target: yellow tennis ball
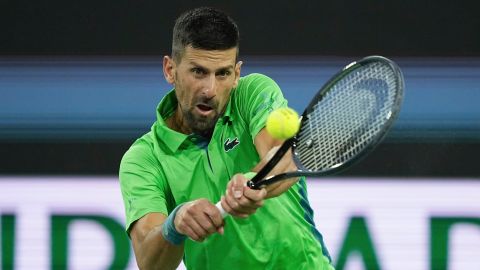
283 123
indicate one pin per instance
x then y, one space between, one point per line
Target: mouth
204 109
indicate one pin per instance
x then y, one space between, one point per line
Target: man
209 132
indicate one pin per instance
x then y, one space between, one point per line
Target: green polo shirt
165 168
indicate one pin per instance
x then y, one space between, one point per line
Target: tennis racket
345 120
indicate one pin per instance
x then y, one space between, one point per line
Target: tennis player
209 138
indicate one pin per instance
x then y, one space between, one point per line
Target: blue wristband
169 232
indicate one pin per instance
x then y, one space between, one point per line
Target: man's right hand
199 219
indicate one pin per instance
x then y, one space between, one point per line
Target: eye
224 73
198 71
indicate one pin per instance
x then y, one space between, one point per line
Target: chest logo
230 144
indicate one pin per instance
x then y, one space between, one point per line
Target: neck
176 123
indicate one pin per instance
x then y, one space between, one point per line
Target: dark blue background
99 98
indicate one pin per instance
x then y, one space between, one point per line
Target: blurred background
80 81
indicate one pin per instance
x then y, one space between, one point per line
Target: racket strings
348 118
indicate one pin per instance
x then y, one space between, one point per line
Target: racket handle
220 208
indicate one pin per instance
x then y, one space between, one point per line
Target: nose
210 86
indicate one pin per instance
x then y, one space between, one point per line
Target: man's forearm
154 252
276 189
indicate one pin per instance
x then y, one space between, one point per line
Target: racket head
348 117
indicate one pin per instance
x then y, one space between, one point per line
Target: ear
238 67
169 69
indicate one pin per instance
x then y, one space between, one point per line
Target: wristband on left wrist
169 232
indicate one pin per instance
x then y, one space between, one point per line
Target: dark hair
204 28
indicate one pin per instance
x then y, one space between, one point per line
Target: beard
201 124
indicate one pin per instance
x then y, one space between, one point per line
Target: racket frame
260 179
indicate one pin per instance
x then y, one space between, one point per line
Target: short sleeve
258 95
143 186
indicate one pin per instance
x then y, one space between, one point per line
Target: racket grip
220 208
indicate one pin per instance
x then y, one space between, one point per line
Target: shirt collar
227 115
165 109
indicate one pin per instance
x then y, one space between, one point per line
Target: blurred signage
77 223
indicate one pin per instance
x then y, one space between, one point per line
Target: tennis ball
283 123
